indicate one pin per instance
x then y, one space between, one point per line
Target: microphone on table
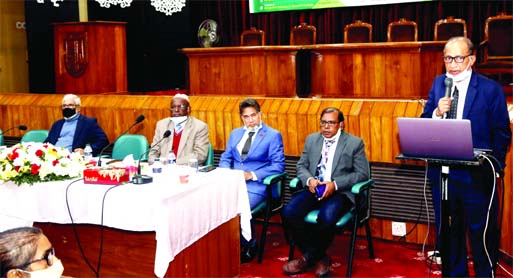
139 119
143 179
20 127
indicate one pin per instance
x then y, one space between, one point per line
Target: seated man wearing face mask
189 136
74 131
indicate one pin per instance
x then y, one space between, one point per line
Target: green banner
263 6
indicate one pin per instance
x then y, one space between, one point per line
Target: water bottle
88 153
171 159
156 167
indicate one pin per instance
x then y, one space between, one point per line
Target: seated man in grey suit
335 160
189 136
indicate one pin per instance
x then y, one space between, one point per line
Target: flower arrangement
38 162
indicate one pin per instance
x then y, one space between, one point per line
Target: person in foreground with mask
189 136
75 131
472 196
257 149
26 252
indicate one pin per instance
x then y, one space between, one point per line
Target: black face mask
68 112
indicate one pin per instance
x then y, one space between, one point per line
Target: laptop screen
436 138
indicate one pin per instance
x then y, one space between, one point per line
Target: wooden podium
90 57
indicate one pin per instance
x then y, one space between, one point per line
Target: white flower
34 162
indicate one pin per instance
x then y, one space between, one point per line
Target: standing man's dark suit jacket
87 132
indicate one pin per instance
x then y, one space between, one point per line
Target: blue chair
1 137
270 206
359 215
134 144
35 135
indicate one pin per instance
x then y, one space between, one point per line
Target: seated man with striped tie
257 149
335 160
189 136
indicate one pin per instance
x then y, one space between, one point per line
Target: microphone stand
137 121
144 179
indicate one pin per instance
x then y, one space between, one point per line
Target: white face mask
178 120
461 76
54 271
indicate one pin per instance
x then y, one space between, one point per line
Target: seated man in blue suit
74 131
259 157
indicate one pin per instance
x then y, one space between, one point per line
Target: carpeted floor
392 259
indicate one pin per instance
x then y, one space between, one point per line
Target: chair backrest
135 144
1 137
498 37
303 34
450 27
252 37
358 31
35 135
402 31
210 156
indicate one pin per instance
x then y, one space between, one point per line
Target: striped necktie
454 105
321 168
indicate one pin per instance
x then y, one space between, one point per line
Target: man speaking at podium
464 94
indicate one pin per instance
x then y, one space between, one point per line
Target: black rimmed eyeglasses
48 257
329 123
457 59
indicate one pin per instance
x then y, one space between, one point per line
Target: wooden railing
372 120
359 70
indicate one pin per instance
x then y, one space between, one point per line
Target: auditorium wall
153 38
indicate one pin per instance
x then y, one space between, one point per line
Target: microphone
448 86
139 119
20 127
143 179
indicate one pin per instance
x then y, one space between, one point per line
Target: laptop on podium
443 139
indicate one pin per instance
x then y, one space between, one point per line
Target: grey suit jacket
350 164
193 143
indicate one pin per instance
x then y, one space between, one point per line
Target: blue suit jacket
265 157
485 107
87 132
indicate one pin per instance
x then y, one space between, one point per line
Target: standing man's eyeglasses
457 59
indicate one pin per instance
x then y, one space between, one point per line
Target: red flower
12 156
35 169
39 153
17 168
55 162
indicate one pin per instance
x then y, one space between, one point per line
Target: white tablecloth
179 214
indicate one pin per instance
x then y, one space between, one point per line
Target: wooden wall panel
13 47
367 70
249 71
104 53
372 120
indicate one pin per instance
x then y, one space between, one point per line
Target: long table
179 214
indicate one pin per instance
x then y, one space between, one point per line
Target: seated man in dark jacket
74 131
